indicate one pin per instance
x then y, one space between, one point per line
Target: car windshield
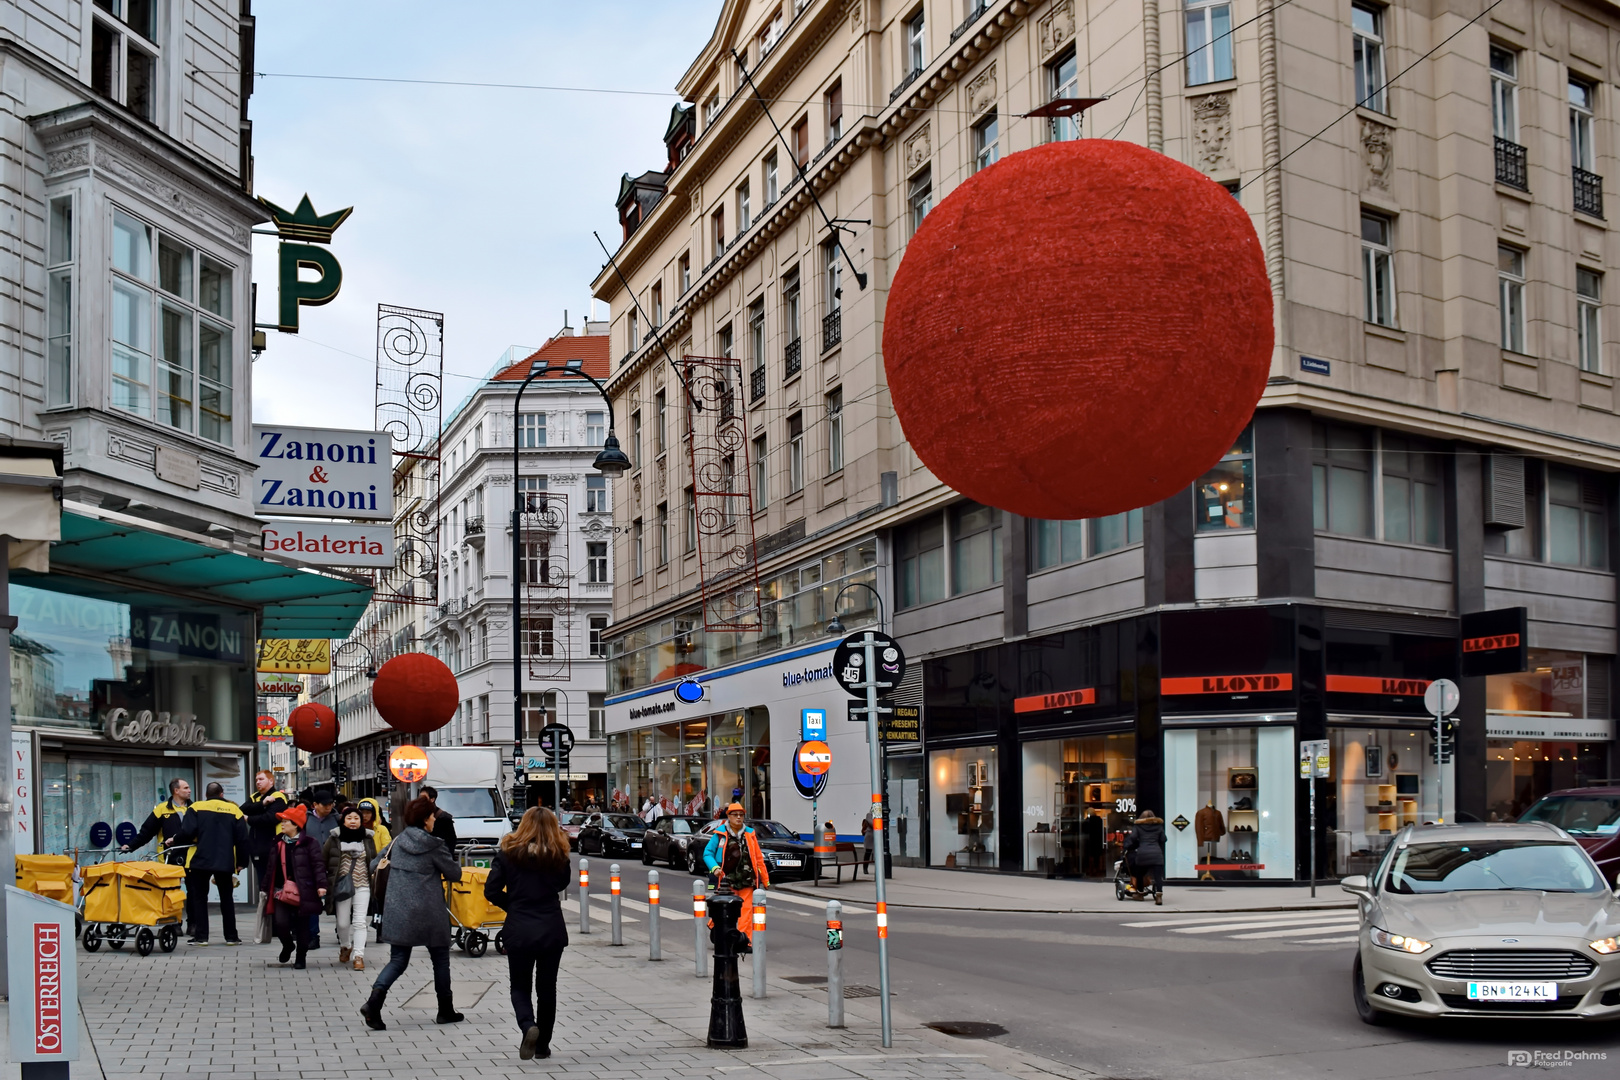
774 829
1492 865
1579 814
626 821
569 818
469 802
679 826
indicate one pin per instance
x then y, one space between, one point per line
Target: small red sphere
1079 330
415 693
314 727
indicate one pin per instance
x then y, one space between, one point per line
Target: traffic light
1442 740
382 770
340 772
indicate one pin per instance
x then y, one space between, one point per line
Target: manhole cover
968 1029
865 992
807 980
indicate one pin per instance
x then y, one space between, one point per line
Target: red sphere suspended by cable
415 693
314 727
1079 330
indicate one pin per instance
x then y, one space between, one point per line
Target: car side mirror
1357 885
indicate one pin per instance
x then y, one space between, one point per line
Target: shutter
1390 622
1598 671
909 692
1504 491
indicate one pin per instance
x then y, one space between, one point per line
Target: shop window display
1235 787
1519 772
1382 779
1555 686
1079 801
962 808
696 766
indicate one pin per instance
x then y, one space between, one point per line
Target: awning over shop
112 555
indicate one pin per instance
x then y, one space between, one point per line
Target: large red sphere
314 727
1079 330
415 693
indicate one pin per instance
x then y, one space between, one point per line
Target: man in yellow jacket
732 855
217 831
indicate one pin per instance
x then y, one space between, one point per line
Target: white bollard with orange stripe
759 943
584 896
613 904
700 919
654 945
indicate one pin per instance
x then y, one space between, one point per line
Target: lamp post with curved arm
836 626
610 462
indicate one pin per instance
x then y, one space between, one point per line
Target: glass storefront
1555 686
1235 786
1079 801
1542 734
1382 779
905 773
695 766
962 808
1520 771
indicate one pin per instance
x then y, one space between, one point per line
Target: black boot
298 963
286 951
372 1010
447 1011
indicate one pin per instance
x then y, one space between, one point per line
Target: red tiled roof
591 348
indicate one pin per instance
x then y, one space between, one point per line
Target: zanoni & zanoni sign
147 728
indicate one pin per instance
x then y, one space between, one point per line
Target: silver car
1486 920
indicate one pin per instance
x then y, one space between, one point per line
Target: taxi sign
408 763
815 757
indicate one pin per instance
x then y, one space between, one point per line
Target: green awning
115 555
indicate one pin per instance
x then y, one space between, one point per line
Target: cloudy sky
475 202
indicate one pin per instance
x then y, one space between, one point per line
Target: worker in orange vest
732 855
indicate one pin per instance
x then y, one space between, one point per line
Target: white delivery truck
468 780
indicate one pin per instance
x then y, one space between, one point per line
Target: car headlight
1606 946
1399 942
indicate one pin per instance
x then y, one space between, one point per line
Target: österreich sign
323 472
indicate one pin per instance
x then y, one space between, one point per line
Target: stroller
1124 889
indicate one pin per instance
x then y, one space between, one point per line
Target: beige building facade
1438 437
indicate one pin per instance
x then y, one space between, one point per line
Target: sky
478 203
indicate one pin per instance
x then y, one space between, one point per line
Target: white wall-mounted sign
323 472
1550 728
331 545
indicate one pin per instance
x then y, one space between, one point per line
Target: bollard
726 1028
835 964
613 904
759 943
700 908
584 896
654 948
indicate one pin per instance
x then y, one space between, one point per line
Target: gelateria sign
147 728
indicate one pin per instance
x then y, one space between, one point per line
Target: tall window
659 410
1588 322
756 345
728 484
1410 476
1510 296
1577 518
1581 152
632 330
1377 270
596 495
638 563
531 494
796 452
916 47
690 503
635 438
801 142
986 142
1209 41
596 562
835 430
772 190
835 277
172 345
1053 543
745 212
534 563
833 102
532 431
598 626
1116 531
123 65
1341 479
920 548
539 710
790 305
59 257
1367 29
539 636
975 547
1063 81
656 297
596 706
718 228
1505 93
683 270
762 490
1226 492
663 534
920 196
595 428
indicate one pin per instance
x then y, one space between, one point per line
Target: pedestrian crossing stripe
1326 927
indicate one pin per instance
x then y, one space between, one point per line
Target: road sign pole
874 734
1313 828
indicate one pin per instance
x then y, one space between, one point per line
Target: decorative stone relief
855 17
1212 133
1057 28
69 157
169 195
981 92
63 436
917 150
1377 153
227 481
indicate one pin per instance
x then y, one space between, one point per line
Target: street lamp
836 626
611 461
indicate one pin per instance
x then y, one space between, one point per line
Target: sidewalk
223 1012
961 890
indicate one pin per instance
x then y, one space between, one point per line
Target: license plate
788 862
635 843
1512 991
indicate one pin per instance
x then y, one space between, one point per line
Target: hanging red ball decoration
1079 330
314 727
415 693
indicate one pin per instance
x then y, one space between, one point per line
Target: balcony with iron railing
474 531
832 329
911 77
1510 165
756 383
792 359
1588 193
972 17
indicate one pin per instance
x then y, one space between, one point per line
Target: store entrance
78 793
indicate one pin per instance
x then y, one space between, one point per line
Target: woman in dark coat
527 879
296 858
414 911
1145 850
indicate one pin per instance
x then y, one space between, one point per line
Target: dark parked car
788 857
1592 816
611 834
676 841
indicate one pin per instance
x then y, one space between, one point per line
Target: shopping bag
263 932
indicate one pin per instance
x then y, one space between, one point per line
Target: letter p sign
314 293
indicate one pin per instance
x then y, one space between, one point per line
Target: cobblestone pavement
233 1012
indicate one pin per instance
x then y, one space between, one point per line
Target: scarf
347 835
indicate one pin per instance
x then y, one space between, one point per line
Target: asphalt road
1244 996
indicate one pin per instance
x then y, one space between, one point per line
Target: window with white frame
711 109
124 54
539 711
635 439
1588 318
762 489
596 562
916 44
920 196
790 305
1505 93
772 188
532 494
595 428
173 357
1209 41
632 330
986 142
532 431
728 486
756 334
833 106
656 302
598 627
663 534
690 530
835 276
1582 155
1377 270
796 452
1367 33
60 256
638 565
683 270
659 431
596 495
745 213
1510 296
534 563
1063 81
596 715
835 430
539 636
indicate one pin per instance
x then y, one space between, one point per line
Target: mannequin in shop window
1208 826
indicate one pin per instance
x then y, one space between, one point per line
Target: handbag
344 890
379 886
264 931
288 893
